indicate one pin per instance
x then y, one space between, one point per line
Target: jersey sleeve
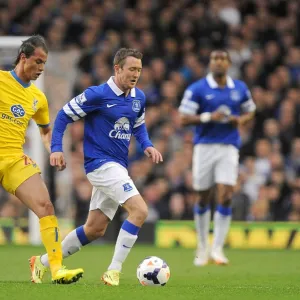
41 117
139 129
247 103
82 104
141 116
190 103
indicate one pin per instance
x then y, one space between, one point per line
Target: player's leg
203 180
222 220
114 182
22 178
202 215
137 214
94 228
226 178
34 194
112 187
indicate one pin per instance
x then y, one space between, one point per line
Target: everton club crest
136 105
235 95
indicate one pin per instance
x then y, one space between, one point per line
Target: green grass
251 275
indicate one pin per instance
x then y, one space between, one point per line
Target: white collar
132 92
213 84
116 89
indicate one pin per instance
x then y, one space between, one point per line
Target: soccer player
113 111
217 105
21 101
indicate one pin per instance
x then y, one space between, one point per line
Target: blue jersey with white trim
206 96
110 120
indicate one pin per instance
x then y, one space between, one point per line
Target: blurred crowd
176 38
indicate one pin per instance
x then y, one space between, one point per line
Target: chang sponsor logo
121 129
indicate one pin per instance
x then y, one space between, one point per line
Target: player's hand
57 160
234 120
218 116
154 154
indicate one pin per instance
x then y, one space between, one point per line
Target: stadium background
176 37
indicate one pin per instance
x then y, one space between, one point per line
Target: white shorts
112 186
214 163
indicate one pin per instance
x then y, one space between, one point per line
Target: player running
113 112
21 101
217 105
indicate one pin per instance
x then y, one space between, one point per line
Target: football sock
126 239
222 219
202 220
51 239
71 244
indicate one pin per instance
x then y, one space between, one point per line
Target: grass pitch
251 275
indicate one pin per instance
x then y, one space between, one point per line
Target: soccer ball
153 271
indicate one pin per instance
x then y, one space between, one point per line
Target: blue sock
224 210
222 220
202 221
200 210
81 236
71 244
131 228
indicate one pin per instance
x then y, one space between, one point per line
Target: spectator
176 38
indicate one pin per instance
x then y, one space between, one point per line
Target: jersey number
28 160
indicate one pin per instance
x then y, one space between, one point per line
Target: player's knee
224 195
225 201
204 198
203 202
228 196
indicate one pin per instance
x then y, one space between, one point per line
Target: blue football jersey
206 96
110 119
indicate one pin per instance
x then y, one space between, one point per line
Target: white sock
222 219
202 220
70 245
126 239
